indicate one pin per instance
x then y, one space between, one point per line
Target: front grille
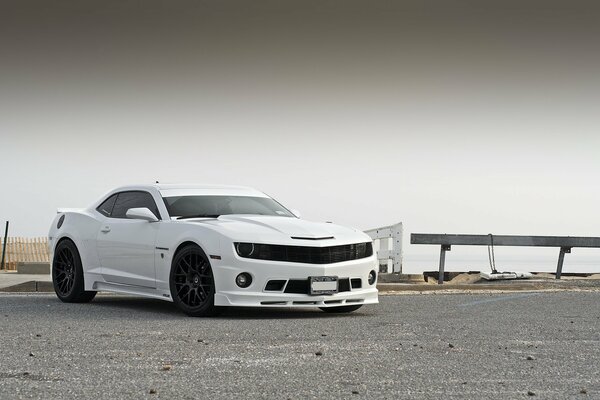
301 286
275 285
344 285
306 254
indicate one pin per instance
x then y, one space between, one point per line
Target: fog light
372 277
243 280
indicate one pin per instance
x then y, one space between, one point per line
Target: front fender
172 236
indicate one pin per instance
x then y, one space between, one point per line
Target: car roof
179 189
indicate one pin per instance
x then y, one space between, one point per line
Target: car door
126 247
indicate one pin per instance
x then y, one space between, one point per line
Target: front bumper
296 300
256 295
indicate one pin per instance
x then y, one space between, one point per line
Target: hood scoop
312 238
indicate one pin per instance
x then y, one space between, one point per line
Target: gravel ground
524 345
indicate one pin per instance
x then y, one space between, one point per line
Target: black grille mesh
310 255
356 283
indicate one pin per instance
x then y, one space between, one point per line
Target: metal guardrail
385 252
565 243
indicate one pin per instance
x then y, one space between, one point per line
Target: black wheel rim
64 271
193 279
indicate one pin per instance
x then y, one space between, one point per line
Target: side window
106 207
127 200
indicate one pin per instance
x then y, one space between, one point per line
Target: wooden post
40 249
21 250
397 247
26 249
12 250
8 252
384 248
4 243
34 250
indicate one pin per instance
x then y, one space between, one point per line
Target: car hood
282 230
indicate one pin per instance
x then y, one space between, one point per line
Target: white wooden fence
388 245
20 249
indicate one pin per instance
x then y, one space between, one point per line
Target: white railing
387 242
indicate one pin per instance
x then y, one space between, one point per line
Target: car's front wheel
192 283
67 274
341 309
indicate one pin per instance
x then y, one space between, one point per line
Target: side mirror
296 213
141 213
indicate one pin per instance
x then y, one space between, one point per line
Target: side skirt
133 290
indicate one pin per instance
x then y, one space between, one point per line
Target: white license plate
323 285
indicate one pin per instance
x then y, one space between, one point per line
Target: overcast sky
469 118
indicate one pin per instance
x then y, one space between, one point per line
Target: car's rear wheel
67 274
192 283
341 309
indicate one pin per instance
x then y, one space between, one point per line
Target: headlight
244 249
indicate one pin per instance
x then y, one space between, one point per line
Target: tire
341 309
192 283
67 274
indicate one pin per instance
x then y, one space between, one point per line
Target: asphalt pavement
416 346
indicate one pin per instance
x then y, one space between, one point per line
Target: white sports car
205 247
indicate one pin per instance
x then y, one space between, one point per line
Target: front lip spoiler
312 238
256 299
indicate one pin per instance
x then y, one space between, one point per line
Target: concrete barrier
37 268
30 287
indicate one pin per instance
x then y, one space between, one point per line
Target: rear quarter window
107 206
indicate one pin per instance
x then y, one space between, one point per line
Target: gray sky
465 119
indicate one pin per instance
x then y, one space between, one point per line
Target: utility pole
4 244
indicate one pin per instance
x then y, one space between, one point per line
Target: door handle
105 229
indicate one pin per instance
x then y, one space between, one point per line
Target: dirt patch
465 278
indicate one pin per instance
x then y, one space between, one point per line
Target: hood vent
312 238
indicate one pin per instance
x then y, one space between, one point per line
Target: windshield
213 206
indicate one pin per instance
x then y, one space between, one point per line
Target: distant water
539 263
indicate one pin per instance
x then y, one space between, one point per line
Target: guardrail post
561 259
4 244
444 249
